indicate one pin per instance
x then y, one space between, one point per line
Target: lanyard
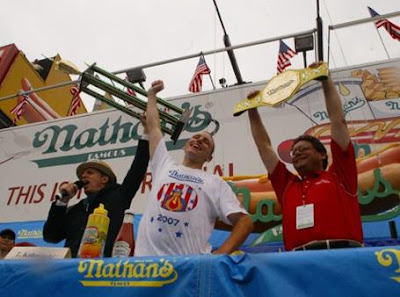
304 187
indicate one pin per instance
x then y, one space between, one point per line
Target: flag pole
231 54
209 75
383 44
70 105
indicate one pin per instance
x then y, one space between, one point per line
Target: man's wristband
145 136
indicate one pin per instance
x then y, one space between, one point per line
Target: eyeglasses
300 149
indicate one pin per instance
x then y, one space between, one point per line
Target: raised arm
262 140
153 117
136 172
138 168
339 131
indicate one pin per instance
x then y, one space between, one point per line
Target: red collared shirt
333 193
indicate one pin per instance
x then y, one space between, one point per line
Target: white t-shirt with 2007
183 206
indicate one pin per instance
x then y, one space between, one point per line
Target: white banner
35 159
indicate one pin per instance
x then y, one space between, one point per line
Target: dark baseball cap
7 234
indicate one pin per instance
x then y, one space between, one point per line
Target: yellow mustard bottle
95 235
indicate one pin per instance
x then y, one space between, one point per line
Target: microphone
62 193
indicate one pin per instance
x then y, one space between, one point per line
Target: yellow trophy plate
281 88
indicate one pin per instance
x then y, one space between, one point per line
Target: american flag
392 29
19 109
76 100
128 90
177 197
197 80
285 53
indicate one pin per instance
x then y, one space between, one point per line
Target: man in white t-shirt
185 201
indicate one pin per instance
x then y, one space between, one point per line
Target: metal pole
380 37
24 93
231 54
367 20
216 51
329 46
320 47
305 59
209 75
364 20
220 50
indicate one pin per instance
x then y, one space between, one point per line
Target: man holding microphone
100 185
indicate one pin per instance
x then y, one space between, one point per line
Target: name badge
304 216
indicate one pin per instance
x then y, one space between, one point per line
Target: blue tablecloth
372 271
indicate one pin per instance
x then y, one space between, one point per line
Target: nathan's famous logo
351 105
124 273
56 139
177 197
390 258
281 87
26 234
371 89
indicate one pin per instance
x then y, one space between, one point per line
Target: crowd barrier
344 272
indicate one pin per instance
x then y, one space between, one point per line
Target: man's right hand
153 117
156 87
70 189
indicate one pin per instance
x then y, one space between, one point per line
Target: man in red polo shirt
319 208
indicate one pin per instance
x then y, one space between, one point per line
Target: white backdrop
34 160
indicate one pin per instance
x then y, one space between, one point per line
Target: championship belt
281 88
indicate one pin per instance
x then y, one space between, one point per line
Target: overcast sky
120 34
